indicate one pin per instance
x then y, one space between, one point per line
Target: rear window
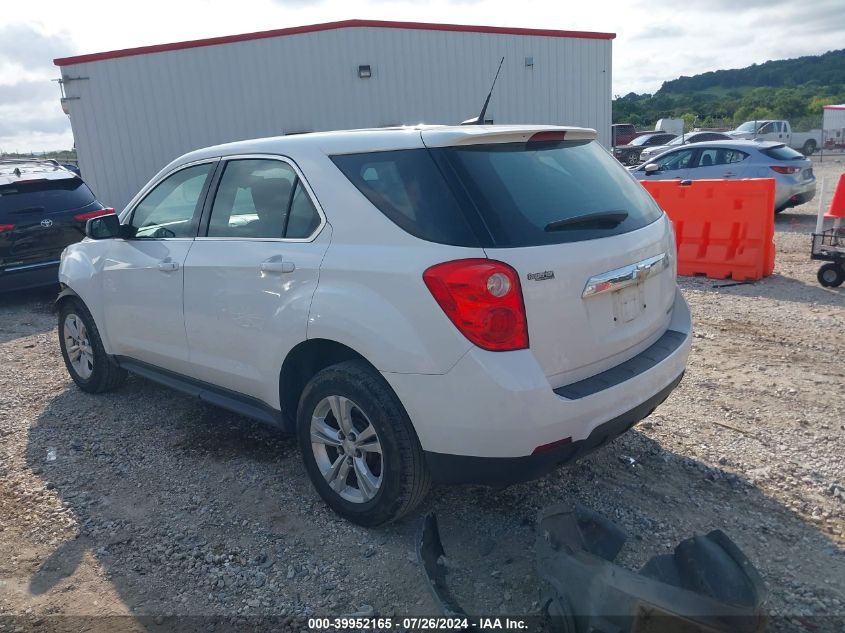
44 196
501 195
520 188
782 152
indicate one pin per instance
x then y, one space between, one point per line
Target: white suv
474 304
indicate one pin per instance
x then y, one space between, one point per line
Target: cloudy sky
655 41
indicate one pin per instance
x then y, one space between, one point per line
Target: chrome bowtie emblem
46 223
626 276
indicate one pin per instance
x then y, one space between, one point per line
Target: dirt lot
145 503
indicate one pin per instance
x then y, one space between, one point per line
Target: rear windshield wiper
601 220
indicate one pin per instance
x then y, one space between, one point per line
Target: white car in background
792 172
474 304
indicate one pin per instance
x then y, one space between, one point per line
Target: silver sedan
716 160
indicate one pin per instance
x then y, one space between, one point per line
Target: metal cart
829 246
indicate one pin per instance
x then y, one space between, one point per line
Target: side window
408 188
768 128
303 217
732 156
676 160
708 157
261 198
169 209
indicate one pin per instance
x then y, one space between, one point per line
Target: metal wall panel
135 114
834 122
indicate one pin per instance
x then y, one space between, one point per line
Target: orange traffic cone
837 205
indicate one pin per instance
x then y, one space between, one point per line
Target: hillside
827 69
794 89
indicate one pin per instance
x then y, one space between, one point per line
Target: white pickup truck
779 131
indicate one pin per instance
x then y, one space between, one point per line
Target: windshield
748 126
678 140
641 140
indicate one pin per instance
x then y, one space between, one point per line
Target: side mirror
103 228
649 169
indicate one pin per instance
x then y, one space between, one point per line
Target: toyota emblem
46 223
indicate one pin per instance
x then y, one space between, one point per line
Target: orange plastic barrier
723 228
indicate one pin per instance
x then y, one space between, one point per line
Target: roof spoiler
472 135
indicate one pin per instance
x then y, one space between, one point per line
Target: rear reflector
93 214
483 298
545 448
6 227
783 169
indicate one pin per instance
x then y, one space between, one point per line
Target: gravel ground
147 503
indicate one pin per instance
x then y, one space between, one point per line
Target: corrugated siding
834 121
135 114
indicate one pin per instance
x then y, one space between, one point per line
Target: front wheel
359 447
83 352
831 275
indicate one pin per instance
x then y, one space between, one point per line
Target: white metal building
132 111
833 123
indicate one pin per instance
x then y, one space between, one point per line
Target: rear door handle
276 265
729 174
168 266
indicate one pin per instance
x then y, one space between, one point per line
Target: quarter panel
372 298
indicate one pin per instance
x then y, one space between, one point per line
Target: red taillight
548 135
6 227
93 214
782 169
483 298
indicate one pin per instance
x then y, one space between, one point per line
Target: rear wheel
358 445
831 275
809 147
83 352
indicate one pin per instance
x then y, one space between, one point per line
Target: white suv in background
474 304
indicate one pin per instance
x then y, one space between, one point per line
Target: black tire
831 275
809 148
105 375
405 479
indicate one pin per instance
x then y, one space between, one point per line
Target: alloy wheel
347 449
78 346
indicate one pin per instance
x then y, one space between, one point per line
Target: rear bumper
500 406
504 471
793 195
29 276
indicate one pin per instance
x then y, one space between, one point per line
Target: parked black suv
43 208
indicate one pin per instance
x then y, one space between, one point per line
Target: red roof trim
328 26
834 107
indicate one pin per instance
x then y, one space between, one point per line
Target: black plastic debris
432 557
706 586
